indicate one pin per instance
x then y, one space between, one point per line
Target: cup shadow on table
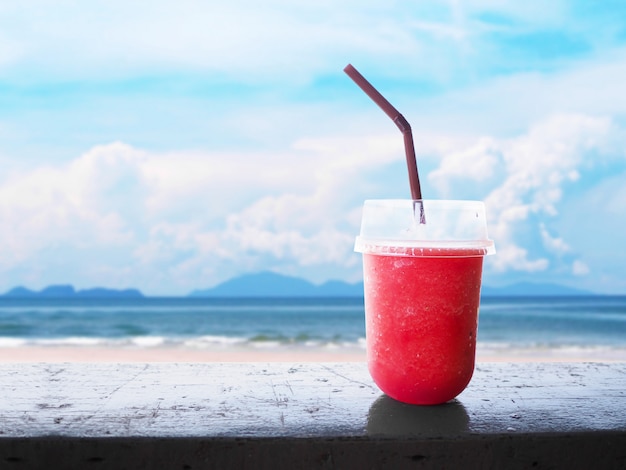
388 417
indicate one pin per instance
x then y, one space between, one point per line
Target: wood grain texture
109 412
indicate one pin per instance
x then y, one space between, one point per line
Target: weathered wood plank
308 411
280 399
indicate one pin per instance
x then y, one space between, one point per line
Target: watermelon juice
422 294
421 324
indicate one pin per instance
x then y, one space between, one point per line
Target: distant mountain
68 291
268 284
530 289
104 292
20 292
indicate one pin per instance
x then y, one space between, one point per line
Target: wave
207 342
278 343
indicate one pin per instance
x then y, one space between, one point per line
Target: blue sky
169 145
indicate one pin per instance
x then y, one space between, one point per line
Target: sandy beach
163 354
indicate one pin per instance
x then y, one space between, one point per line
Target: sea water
577 326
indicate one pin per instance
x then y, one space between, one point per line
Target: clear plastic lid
402 227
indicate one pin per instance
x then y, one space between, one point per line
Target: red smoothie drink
422 293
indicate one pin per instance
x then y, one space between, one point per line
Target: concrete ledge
280 415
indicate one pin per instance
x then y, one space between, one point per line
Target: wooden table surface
315 415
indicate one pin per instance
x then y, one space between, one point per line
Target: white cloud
294 228
552 244
199 215
512 257
524 177
51 205
538 165
477 163
580 268
179 213
181 219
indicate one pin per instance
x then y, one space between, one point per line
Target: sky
171 145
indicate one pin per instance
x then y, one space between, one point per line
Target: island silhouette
271 284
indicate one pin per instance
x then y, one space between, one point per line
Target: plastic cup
422 293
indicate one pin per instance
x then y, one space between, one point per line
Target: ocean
570 326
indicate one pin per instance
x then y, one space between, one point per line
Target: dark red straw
401 122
